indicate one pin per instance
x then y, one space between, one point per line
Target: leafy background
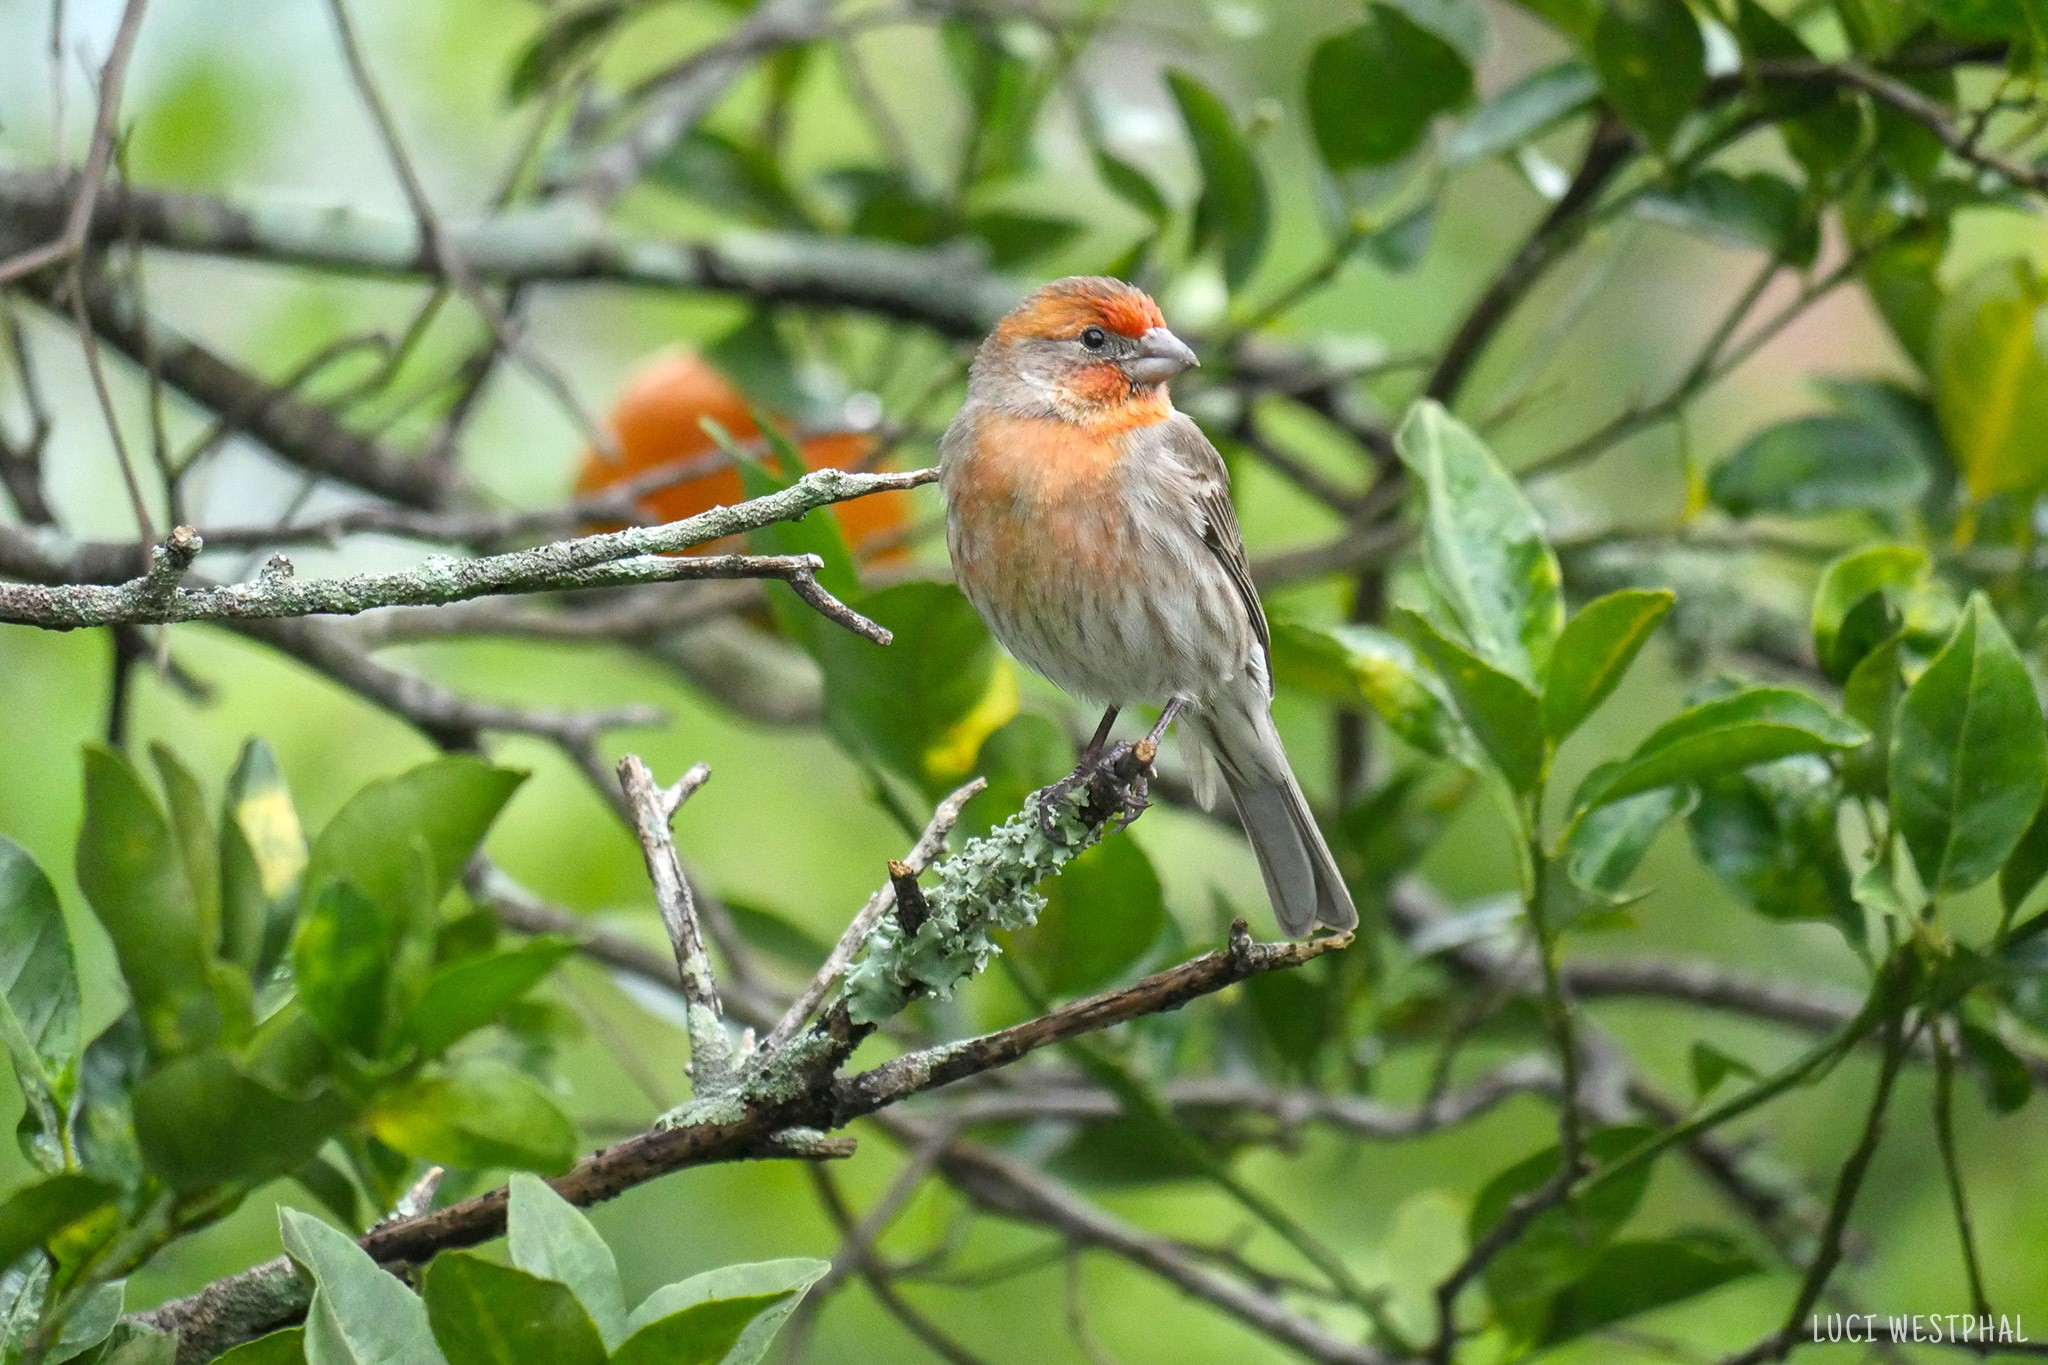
241 94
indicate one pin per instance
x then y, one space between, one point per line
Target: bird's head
1085 348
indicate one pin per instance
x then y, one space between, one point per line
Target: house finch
1090 524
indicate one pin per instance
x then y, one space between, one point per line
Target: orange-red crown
1064 307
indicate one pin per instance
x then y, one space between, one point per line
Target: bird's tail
1302 880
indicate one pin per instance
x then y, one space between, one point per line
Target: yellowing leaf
1991 379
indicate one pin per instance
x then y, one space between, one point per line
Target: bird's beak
1161 355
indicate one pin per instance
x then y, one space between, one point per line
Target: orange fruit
656 420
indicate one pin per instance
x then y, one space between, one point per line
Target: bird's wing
1218 520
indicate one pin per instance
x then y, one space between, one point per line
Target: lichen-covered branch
641 554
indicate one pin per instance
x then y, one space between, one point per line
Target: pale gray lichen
986 886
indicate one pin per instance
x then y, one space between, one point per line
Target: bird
1090 524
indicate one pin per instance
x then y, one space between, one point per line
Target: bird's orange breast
1035 499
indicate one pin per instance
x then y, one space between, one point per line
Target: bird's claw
1118 783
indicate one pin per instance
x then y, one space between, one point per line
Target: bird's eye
1094 339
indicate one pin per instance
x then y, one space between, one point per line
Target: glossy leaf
1769 834
134 1344
102 1124
549 1237
1233 210
1632 1278
780 1285
2027 865
700 1335
263 857
278 1348
204 1119
482 1114
447 805
484 1313
1594 652
1990 375
1814 466
921 707
466 995
360 1314
38 977
1352 662
1729 733
1711 1066
1500 710
1845 585
1652 63
198 846
1969 757
131 871
1483 545
1373 89
342 964
1525 111
1758 210
38 1213
1607 844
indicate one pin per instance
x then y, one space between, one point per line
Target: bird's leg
1133 764
1054 799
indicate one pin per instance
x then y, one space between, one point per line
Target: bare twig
653 807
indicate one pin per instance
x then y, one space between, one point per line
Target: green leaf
782 1283
102 1126
38 982
466 995
1606 845
1133 186
1233 209
1902 277
1711 1066
916 705
137 1345
566 39
1631 1278
342 966
1015 238
1525 111
1814 466
1744 728
2027 865
1483 545
1969 755
484 1313
197 844
1352 662
1877 26
1563 1243
1501 710
39 1213
1769 834
482 1114
1990 377
447 805
262 858
1373 89
360 1314
2008 1084
2016 19
131 871
1595 651
1756 210
700 1335
549 1237
1576 19
1102 911
204 1119
1844 631
1652 63
278 1348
